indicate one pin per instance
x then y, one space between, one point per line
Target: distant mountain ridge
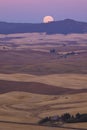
66 26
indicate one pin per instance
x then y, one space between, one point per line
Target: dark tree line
65 118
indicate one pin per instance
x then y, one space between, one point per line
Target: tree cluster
65 118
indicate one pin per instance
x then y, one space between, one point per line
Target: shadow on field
35 87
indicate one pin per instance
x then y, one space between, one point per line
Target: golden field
21 110
35 83
74 81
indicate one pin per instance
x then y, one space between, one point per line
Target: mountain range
67 26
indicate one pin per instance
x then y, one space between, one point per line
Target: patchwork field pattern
42 75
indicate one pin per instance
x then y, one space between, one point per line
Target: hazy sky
33 11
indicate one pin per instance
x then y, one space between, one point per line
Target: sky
33 11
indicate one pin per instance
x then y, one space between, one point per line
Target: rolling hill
67 26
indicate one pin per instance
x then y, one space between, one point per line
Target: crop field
42 75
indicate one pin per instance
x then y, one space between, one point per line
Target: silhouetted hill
66 26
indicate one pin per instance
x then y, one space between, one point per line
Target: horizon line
41 22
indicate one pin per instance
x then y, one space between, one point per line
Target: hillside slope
66 26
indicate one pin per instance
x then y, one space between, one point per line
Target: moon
48 19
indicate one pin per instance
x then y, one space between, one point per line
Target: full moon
48 19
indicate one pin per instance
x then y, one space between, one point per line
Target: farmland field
42 75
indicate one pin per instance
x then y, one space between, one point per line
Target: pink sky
35 10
